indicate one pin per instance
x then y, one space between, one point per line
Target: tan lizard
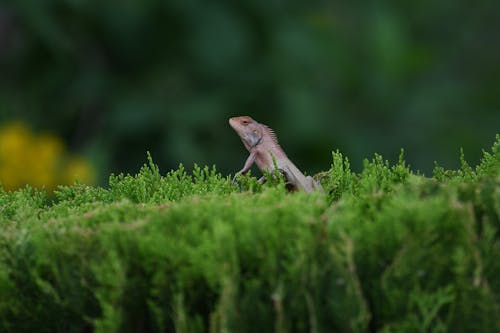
262 144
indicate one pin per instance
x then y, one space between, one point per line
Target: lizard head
248 129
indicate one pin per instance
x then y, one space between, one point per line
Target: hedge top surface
384 250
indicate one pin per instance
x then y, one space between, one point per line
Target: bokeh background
87 87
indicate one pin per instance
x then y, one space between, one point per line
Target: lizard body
263 146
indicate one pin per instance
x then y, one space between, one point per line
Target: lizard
262 144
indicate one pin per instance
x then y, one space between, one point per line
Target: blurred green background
113 79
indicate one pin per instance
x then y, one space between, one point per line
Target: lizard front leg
248 164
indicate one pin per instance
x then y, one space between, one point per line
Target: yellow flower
14 142
39 160
78 169
48 151
14 138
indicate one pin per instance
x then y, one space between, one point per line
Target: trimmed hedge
385 250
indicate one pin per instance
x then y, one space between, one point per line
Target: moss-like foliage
385 250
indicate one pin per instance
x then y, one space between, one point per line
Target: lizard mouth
232 121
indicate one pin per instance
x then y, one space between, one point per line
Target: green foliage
384 250
15 206
149 186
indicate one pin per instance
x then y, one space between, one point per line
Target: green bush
384 250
